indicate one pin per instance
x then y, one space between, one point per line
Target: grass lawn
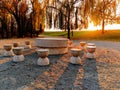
109 35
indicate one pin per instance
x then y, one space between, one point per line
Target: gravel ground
102 73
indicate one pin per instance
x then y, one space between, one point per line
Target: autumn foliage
23 18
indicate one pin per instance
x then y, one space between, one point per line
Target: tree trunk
68 26
2 32
19 30
19 26
20 33
31 31
103 24
61 20
7 31
12 30
76 20
65 23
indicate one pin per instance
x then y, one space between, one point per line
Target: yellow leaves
46 2
15 6
15 2
9 5
23 7
38 13
52 2
119 1
36 6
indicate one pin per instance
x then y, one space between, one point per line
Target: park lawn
109 35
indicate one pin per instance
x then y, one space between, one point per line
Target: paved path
106 44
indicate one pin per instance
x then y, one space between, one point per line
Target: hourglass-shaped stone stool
16 44
18 57
91 51
82 44
75 59
90 44
43 59
28 45
70 43
8 48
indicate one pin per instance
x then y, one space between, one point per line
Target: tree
103 12
65 8
17 8
37 15
4 21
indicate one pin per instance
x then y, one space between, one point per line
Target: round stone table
55 45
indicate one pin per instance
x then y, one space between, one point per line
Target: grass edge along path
109 35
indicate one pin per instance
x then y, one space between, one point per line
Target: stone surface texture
43 61
18 58
55 45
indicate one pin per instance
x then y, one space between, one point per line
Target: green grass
109 35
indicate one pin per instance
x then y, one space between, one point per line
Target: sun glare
91 27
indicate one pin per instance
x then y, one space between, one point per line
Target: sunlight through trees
23 18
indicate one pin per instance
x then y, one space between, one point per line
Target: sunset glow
107 27
92 28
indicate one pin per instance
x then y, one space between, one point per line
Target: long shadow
90 78
15 75
67 79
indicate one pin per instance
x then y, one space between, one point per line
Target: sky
118 10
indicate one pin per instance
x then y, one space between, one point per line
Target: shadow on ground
14 75
67 79
90 79
60 74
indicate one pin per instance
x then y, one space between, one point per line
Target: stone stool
28 45
70 44
18 51
75 59
82 44
91 51
90 44
16 44
8 48
43 59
